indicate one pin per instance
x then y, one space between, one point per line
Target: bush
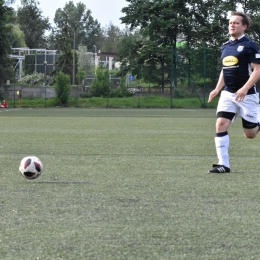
81 75
35 79
100 84
120 92
85 95
181 93
62 88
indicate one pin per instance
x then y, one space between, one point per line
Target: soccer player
240 71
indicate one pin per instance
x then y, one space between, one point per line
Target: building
35 60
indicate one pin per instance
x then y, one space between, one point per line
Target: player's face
236 28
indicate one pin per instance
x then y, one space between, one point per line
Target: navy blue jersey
236 58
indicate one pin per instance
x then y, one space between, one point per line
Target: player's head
245 19
238 23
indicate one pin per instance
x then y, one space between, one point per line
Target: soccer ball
31 167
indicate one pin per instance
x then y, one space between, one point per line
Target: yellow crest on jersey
230 61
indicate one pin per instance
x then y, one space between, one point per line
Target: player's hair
246 20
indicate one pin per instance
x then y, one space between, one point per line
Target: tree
65 61
78 23
163 23
110 39
84 60
17 36
251 7
52 43
33 24
91 32
77 18
160 27
5 40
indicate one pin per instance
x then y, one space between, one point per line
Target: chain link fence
191 74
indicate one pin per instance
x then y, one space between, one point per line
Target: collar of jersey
237 38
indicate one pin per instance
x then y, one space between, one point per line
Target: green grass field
126 184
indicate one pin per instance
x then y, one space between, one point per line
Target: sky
105 11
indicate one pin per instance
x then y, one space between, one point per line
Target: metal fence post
77 93
172 75
45 63
14 87
204 61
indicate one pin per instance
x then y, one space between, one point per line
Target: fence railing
146 97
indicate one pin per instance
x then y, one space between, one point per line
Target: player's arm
254 77
219 86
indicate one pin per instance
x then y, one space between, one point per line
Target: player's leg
226 112
222 142
250 129
249 110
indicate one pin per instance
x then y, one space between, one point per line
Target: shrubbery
121 91
100 84
62 88
35 79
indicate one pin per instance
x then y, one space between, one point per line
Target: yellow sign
230 61
18 93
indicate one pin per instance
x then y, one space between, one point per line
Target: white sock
222 144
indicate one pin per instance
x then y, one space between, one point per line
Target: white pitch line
8 110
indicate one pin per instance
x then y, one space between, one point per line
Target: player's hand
213 94
240 94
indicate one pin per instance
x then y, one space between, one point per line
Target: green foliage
153 55
33 24
150 57
200 82
65 62
1 93
17 37
35 79
87 101
121 91
62 88
111 42
181 93
29 64
81 76
75 18
85 95
114 72
84 60
5 43
100 84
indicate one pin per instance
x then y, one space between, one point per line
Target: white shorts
248 108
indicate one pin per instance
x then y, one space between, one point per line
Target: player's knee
222 124
250 134
250 129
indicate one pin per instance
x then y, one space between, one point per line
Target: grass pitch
126 184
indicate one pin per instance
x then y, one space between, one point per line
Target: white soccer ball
31 167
